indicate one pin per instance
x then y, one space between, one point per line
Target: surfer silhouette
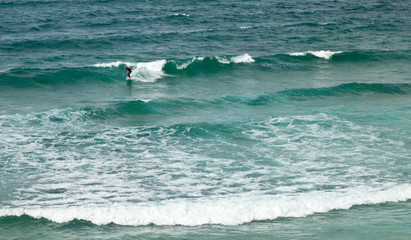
129 71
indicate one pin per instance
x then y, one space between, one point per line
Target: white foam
143 71
114 64
321 54
232 210
223 60
181 14
149 71
245 58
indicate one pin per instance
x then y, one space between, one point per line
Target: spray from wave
149 71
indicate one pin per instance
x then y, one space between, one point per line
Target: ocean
242 120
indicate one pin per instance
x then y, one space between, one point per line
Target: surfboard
129 82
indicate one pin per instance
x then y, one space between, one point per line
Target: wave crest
143 71
204 64
320 54
152 71
218 210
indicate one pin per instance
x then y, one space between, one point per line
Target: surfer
129 71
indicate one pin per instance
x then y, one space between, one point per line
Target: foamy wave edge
142 71
151 71
320 54
222 210
245 58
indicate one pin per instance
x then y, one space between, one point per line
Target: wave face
241 120
344 90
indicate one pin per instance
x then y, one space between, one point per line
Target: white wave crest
149 71
114 64
181 14
142 71
321 54
223 60
245 58
222 210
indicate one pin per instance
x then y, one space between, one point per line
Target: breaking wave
319 54
152 71
233 210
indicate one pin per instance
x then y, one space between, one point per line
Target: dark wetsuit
129 71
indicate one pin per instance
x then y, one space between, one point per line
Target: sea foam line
321 54
218 210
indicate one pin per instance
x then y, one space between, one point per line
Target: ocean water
243 120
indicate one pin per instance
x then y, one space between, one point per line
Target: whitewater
227 211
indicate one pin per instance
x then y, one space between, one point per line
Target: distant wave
320 54
245 58
205 64
229 210
114 64
143 71
343 90
152 71
353 56
181 14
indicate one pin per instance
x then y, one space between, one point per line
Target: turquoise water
245 120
